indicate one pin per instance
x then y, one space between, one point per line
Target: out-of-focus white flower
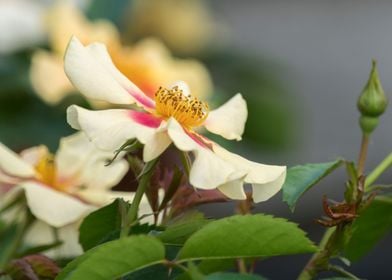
171 117
186 26
21 24
148 63
58 187
41 233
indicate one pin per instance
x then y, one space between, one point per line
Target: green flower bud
372 102
368 124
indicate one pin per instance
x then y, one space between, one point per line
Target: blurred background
299 65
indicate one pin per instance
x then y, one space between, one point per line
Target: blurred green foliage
271 107
24 119
112 10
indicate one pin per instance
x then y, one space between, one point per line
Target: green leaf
72 265
233 276
115 259
350 193
158 271
179 231
173 187
3 225
98 225
301 178
104 225
246 236
194 273
130 145
209 266
337 278
154 272
7 237
371 226
135 229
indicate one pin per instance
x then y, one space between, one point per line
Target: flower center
187 110
47 173
46 169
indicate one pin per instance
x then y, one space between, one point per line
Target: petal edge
229 119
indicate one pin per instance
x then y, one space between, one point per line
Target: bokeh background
300 65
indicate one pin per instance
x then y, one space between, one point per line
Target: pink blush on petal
200 140
142 99
145 119
4 188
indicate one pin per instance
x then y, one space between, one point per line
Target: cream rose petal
34 154
157 144
218 168
97 176
13 214
266 180
180 139
229 119
256 172
109 129
53 207
103 197
92 78
208 171
93 73
7 182
101 54
263 192
13 165
73 152
80 161
234 189
41 233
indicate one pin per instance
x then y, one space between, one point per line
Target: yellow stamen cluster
187 110
46 169
47 173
